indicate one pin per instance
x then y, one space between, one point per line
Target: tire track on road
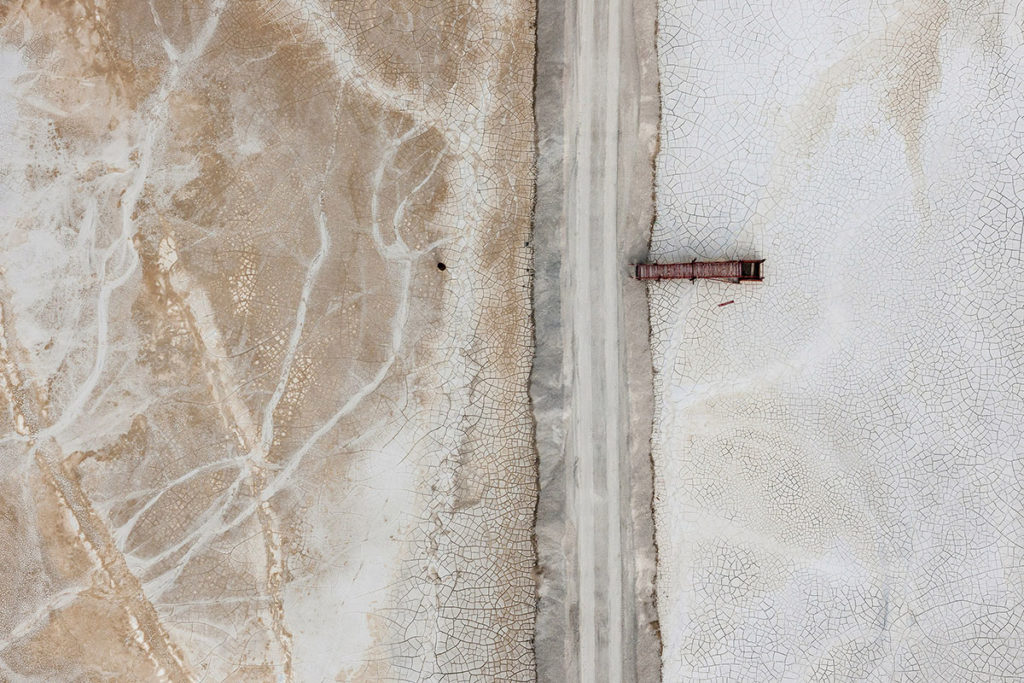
592 229
597 131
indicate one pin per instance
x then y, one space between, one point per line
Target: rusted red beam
732 271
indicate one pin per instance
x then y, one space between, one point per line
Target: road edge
639 144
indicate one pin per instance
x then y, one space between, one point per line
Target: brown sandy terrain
251 430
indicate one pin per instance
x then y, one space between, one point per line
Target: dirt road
591 383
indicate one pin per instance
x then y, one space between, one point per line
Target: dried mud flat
250 429
838 452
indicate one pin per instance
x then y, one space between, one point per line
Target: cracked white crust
837 453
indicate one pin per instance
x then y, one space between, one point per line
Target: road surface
596 63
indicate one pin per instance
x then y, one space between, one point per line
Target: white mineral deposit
838 452
325 356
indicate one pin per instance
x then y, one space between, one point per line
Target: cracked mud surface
266 340
837 453
250 430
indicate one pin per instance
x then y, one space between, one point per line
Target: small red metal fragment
726 303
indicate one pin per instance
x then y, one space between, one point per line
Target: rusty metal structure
726 271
